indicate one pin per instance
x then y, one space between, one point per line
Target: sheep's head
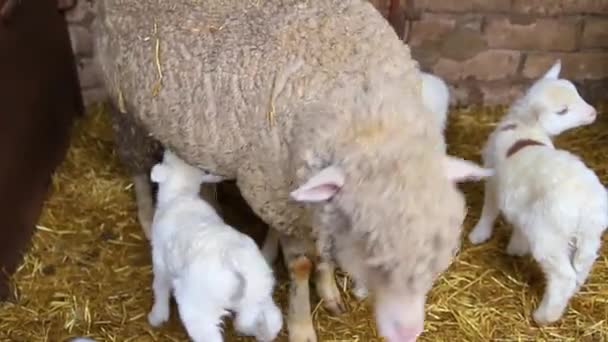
394 224
557 104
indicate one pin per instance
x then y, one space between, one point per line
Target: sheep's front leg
489 213
299 318
327 289
145 202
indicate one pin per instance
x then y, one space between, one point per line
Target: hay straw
88 272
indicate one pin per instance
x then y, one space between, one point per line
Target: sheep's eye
563 111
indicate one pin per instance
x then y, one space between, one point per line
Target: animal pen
88 271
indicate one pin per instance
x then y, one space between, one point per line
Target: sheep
556 204
315 108
210 266
138 151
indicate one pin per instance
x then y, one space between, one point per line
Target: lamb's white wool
82 339
211 267
557 206
436 97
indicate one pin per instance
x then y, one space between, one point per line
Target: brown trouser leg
39 98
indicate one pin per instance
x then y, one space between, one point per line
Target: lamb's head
556 103
176 170
391 217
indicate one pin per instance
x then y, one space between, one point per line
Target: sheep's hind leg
299 317
145 202
270 248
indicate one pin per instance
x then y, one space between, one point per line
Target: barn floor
88 272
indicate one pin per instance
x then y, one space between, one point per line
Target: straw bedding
88 272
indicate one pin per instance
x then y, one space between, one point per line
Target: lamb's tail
253 273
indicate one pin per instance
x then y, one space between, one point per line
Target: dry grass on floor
88 272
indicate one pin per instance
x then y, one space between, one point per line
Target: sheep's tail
270 248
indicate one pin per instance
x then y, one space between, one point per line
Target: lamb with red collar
557 206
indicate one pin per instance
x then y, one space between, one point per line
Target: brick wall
487 50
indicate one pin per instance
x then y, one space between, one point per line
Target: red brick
557 7
541 34
463 6
430 27
500 93
462 44
595 34
575 66
487 66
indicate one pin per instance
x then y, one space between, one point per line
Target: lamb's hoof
157 317
479 234
543 316
302 332
360 292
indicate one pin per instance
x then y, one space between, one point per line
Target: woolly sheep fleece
273 92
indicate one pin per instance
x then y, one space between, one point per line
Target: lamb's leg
518 244
262 320
201 321
270 248
561 282
584 258
489 213
145 202
161 286
327 288
299 318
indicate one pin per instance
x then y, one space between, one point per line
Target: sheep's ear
320 187
460 170
159 173
553 72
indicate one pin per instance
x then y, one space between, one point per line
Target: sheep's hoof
335 307
302 332
360 292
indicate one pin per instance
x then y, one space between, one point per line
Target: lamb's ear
159 173
320 187
553 72
460 170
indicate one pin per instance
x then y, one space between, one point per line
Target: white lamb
436 97
557 206
211 267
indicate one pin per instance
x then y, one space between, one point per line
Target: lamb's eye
563 111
